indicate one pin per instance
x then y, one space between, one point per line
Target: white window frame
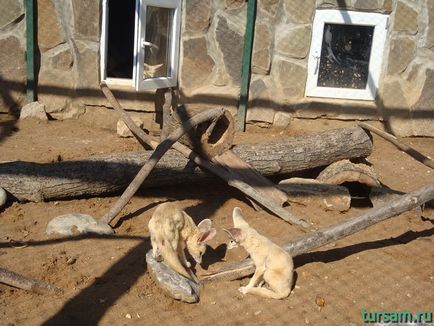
137 81
332 16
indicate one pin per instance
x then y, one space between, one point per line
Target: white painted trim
379 21
161 82
103 40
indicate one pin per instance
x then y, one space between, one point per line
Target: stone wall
210 60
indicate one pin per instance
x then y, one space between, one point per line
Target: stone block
294 42
198 15
10 11
406 19
88 68
261 59
300 11
50 33
333 3
234 4
230 43
87 20
423 111
290 77
429 38
387 6
367 4
395 108
197 65
402 51
269 6
12 74
61 58
33 110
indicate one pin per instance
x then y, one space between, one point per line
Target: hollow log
111 173
208 138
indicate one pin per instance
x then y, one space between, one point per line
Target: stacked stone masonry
211 47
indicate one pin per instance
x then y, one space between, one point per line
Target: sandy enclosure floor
388 267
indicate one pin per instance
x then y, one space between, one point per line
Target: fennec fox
172 230
274 266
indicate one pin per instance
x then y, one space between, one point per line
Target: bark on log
335 232
22 282
209 138
110 173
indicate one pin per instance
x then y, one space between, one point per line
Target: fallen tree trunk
111 173
335 232
22 282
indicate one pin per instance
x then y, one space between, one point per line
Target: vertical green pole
30 50
245 66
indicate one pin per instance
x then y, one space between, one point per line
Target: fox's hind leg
156 250
255 280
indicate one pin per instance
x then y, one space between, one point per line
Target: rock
423 111
313 192
290 77
81 223
234 4
198 15
50 33
261 59
406 19
395 108
123 130
300 11
62 58
334 3
172 284
282 119
402 51
87 26
269 6
3 197
230 43
11 10
88 68
367 4
382 195
429 38
294 42
13 74
259 111
197 64
34 110
388 6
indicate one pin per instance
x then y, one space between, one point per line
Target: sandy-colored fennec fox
172 230
274 266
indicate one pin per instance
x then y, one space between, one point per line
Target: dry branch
405 148
335 232
25 283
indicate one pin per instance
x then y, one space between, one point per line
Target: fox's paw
243 289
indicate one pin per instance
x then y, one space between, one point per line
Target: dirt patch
389 267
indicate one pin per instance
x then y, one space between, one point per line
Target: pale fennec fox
274 266
172 231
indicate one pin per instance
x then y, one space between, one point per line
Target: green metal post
30 50
245 66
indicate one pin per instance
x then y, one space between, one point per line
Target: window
346 54
140 42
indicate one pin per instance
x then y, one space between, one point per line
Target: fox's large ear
234 233
237 217
205 225
206 236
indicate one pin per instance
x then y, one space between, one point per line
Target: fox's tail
171 258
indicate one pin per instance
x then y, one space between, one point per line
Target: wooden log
334 232
209 138
111 173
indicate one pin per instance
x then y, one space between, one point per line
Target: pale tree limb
161 149
334 232
22 282
405 148
204 163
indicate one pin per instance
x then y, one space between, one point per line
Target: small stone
124 131
71 261
128 316
256 313
34 110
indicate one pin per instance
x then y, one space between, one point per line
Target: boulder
34 110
